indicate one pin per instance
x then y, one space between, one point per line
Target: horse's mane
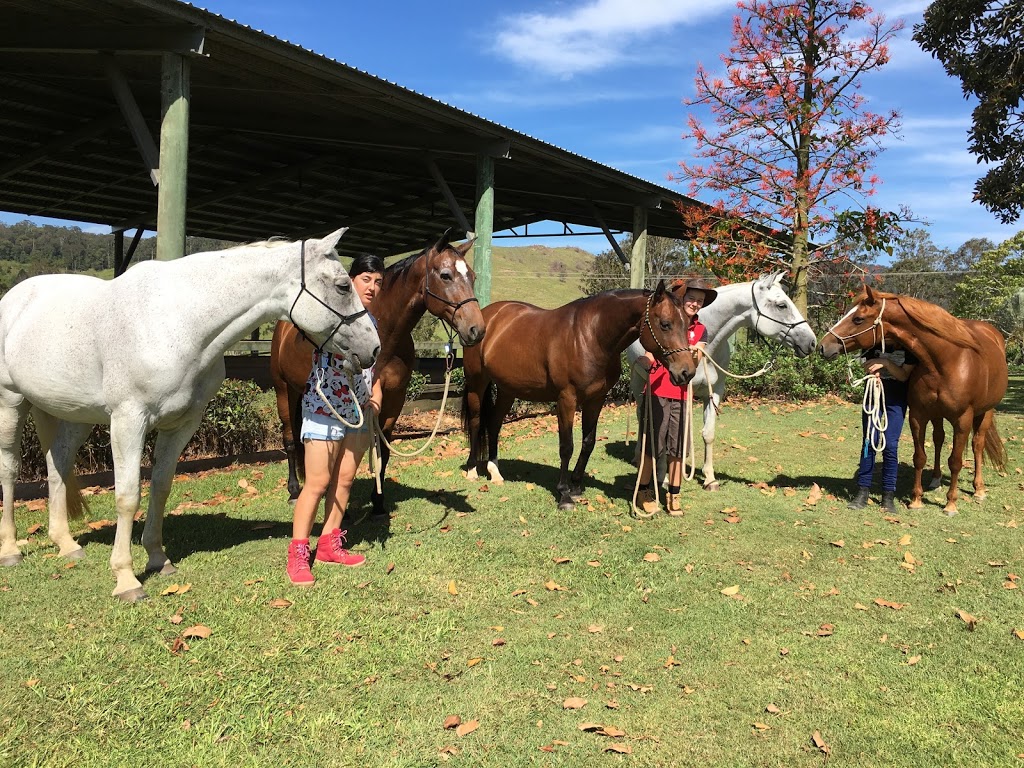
399 268
934 319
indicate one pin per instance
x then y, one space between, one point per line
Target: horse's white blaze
734 308
146 351
461 267
840 320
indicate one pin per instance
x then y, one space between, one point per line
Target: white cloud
597 33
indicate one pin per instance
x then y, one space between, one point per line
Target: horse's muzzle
472 335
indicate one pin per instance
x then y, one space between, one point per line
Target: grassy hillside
547 277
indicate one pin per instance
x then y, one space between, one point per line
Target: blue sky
607 78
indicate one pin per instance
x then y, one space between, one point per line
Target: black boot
860 500
889 501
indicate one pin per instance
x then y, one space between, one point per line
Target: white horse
762 305
146 351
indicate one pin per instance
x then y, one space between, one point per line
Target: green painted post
484 224
638 255
171 195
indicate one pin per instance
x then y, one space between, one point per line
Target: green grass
552 275
364 668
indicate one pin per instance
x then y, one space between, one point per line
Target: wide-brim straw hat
697 284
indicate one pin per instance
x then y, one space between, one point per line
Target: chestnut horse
571 355
437 280
961 377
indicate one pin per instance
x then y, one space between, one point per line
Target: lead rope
873 402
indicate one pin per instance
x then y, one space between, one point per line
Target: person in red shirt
670 439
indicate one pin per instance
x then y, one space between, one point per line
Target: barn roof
283 140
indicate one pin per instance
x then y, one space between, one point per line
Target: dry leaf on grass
551 586
622 749
280 602
452 589
970 621
652 557
820 743
814 496
733 590
199 630
451 722
888 604
467 727
561 560
574 702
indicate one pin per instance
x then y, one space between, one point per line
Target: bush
239 419
417 383
790 378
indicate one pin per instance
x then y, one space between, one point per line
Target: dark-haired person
893 367
670 439
333 450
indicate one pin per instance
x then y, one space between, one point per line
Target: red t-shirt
660 382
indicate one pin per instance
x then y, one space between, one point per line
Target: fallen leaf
451 722
820 743
888 604
280 602
970 621
840 543
622 749
734 589
33 528
390 567
814 496
904 540
859 607
574 702
652 557
561 560
1019 634
474 661
772 709
594 629
762 727
199 630
913 660
551 586
176 618
825 630
452 589
467 727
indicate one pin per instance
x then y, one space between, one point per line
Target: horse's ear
660 290
327 243
444 241
870 295
777 277
464 248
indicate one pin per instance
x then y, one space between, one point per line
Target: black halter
342 319
449 347
788 326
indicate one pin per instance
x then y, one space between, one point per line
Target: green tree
981 42
917 269
986 292
666 259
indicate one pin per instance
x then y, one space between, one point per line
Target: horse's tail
994 448
298 447
76 503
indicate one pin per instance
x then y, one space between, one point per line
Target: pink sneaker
330 550
298 563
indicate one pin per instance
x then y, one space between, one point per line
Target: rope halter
877 324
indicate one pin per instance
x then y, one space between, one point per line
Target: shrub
417 383
239 419
790 378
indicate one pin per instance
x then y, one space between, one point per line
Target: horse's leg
377 499
591 414
13 410
289 404
961 431
938 438
566 413
982 424
502 405
169 445
708 434
917 430
471 405
61 440
127 439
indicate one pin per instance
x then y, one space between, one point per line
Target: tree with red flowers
791 154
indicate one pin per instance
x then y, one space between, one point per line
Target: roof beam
185 39
60 144
133 116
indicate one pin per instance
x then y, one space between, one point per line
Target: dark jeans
896 410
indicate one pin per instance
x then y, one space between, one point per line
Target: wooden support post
171 199
484 224
638 256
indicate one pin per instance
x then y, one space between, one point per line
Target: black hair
366 262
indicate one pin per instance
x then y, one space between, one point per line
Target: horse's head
860 328
326 307
776 316
448 289
663 334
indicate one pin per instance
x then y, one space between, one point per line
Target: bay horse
436 280
570 355
961 377
146 351
760 304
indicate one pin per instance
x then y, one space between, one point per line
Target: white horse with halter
146 351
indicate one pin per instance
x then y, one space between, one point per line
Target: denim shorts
318 427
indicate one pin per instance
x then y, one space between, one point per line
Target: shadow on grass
546 476
1013 400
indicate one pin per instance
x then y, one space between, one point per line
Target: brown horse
437 280
961 377
570 355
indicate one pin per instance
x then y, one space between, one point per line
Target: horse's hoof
471 474
916 504
169 569
712 486
935 484
14 559
132 595
75 554
566 506
949 511
979 497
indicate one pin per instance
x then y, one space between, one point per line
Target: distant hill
547 277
